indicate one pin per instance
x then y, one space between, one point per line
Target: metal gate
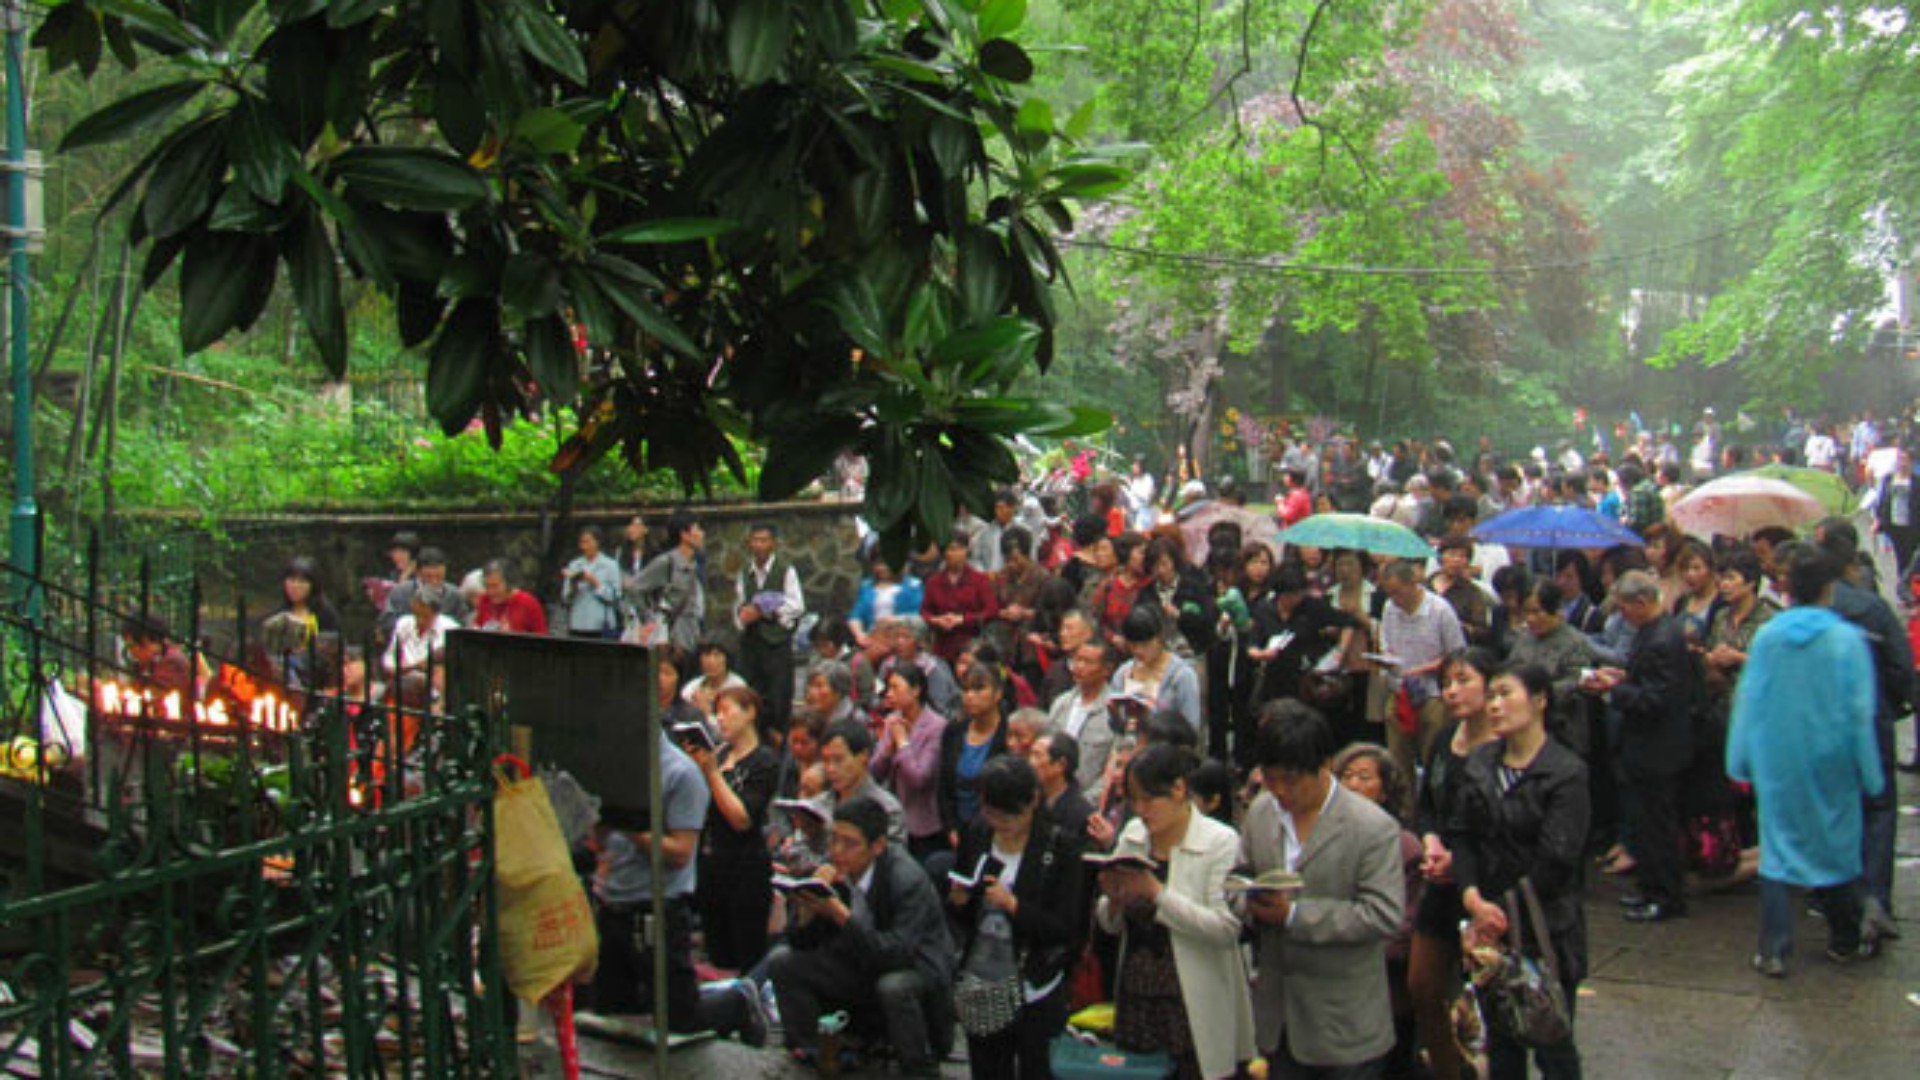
233 875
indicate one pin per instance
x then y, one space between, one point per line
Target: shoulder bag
1523 998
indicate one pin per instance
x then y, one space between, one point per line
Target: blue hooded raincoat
1802 734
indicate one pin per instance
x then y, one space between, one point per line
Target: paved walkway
1676 1001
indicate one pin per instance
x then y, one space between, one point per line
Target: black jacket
1892 655
1657 701
1193 599
1538 830
952 741
898 923
1049 917
1316 626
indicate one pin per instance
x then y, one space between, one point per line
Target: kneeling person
879 947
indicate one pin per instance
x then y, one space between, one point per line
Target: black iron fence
235 864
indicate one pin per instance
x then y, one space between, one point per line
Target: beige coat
1206 938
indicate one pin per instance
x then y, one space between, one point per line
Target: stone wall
819 537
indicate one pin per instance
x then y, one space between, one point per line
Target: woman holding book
736 871
1182 984
1018 878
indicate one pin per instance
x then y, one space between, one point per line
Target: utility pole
22 535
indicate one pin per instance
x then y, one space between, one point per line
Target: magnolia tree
825 225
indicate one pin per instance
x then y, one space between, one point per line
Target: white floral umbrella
1739 505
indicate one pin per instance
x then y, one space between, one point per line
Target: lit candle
258 717
217 713
110 696
172 704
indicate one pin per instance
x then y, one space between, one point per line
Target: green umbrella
1357 532
1833 492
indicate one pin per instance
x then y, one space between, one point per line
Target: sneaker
1771 966
753 1031
1866 950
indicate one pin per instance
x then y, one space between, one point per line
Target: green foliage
815 224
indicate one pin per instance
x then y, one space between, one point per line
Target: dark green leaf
549 130
1002 59
458 366
386 244
590 308
417 310
833 26
937 495
996 350
952 143
131 114
796 459
671 231
181 186
631 297
121 43
458 111
1010 416
552 359
858 308
911 69
315 278
1085 421
547 41
894 482
530 285
258 149
981 277
757 39
159 257
976 454
344 13
289 11
1081 122
238 211
998 18
218 17
410 178
155 20
225 281
296 81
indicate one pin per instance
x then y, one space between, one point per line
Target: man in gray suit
1320 1003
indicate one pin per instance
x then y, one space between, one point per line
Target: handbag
987 996
1523 998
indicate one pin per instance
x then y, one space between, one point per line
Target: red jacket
972 598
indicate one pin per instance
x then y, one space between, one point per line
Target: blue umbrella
1554 527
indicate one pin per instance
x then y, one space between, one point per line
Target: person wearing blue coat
1802 733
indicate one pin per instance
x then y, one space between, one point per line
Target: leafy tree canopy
828 224
1800 116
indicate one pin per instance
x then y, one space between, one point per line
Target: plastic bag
547 935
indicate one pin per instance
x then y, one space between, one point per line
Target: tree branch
1300 109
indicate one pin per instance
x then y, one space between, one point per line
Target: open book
1102 860
694 734
1384 659
803 886
1276 880
809 807
970 881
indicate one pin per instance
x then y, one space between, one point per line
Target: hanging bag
987 996
1523 998
546 929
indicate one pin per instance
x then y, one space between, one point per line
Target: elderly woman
1546 640
592 590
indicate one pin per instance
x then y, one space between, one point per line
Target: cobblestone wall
819 537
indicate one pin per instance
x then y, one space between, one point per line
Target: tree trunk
107 508
66 314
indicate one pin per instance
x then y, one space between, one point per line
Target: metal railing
222 868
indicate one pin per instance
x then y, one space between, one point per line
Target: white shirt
1821 450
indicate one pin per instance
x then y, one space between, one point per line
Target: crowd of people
1018 773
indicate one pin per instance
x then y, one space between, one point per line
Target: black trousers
1021 1050
768 668
733 914
623 983
809 983
1661 869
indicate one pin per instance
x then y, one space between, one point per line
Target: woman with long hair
977 736
1433 956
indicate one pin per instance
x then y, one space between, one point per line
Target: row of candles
267 712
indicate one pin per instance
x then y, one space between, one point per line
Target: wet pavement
1673 1001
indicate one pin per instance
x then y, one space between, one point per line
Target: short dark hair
1838 538
1547 592
711 644
1168 728
767 527
1459 506
678 523
912 675
865 814
432 556
1156 768
1810 572
855 734
406 539
1293 737
1008 783
1743 562
833 630
1289 579
1141 624
1457 543
1088 529
1064 750
1016 537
